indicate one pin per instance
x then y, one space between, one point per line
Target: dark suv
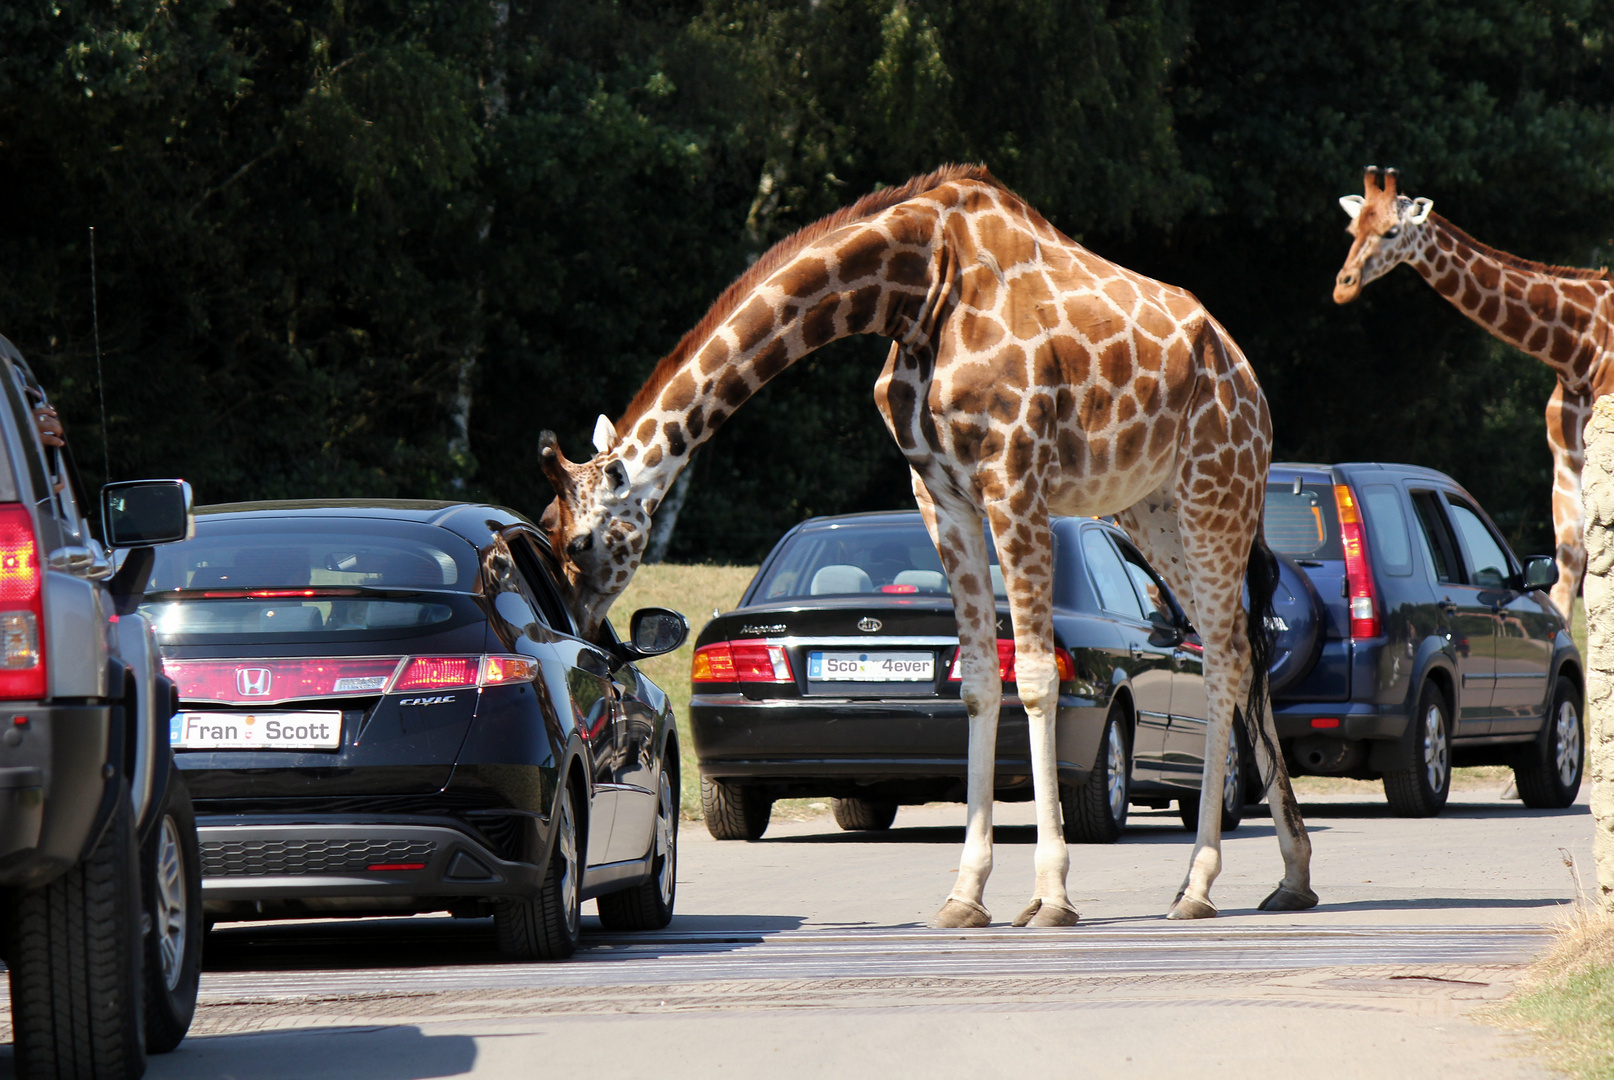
1421 642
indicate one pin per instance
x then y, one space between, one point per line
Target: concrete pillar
1598 487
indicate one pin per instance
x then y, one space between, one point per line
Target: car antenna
100 382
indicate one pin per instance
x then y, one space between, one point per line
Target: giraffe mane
1574 273
771 260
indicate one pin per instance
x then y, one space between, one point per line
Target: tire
77 1006
864 815
1234 784
649 905
171 879
1420 788
734 811
1095 813
547 926
1551 778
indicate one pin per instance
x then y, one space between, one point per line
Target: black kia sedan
837 676
386 709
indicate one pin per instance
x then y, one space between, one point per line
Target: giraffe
1562 316
1027 377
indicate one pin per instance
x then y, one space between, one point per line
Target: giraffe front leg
956 531
1567 414
1028 578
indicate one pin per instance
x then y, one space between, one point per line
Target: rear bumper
808 745
55 794
1357 720
262 869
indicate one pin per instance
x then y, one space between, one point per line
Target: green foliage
374 247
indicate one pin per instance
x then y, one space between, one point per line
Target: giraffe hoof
960 914
1284 898
1186 907
1042 912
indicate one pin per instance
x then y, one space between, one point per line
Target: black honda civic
837 675
386 709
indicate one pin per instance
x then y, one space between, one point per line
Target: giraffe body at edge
1027 377
1560 315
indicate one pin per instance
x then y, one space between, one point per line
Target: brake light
1062 660
899 588
266 682
741 661
22 649
1358 571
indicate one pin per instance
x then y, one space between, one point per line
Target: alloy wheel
169 919
567 849
1115 760
1232 780
1436 754
1568 743
666 846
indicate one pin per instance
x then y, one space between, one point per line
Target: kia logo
252 681
868 625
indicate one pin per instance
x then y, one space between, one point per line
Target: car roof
472 521
1418 471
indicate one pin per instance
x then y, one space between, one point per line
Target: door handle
1136 650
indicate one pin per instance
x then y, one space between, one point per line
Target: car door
1148 666
1523 631
542 628
1466 609
1182 757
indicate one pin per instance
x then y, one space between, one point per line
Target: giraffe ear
605 435
1351 204
1421 209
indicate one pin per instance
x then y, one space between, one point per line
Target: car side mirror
1163 630
1540 572
653 632
145 513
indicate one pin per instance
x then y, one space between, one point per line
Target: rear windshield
1303 524
267 554
849 559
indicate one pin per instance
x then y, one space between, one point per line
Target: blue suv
1410 639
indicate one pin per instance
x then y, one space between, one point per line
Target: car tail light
1062 659
1358 571
22 649
752 661
265 682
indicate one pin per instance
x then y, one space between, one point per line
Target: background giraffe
1559 315
1027 377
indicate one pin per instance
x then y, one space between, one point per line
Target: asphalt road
806 955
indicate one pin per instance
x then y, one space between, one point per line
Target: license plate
871 667
256 731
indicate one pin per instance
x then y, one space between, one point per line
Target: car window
1486 561
1435 537
1302 524
537 570
1387 529
853 558
1109 575
1150 589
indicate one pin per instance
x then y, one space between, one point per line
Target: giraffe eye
581 544
1391 234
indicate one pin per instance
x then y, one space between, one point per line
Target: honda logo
252 681
868 625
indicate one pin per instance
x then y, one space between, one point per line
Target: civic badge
868 625
252 681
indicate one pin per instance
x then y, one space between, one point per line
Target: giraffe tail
1261 579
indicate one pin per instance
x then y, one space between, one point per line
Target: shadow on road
1162 831
326 1053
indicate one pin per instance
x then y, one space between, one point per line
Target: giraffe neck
1542 310
853 282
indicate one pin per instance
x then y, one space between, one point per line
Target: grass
696 591
1567 998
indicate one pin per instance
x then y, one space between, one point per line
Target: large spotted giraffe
1027 377
1562 316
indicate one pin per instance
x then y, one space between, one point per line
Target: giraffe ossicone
1027 377
1562 316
